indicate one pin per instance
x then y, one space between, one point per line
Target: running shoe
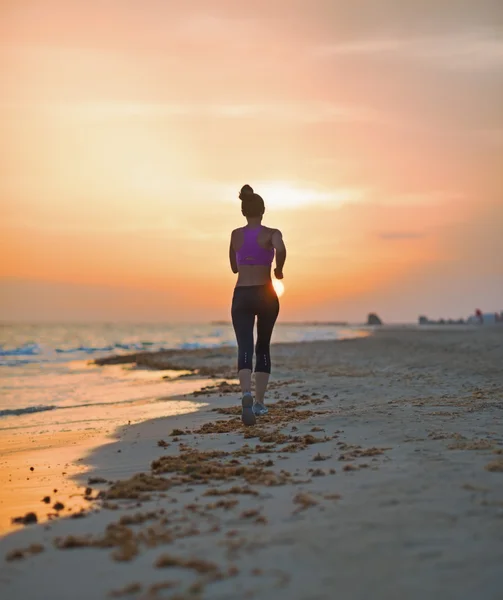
259 409
247 414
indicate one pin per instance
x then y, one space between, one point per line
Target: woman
251 254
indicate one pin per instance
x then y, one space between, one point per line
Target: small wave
198 346
17 363
87 349
14 412
26 350
110 348
23 411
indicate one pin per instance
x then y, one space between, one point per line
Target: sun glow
278 286
282 194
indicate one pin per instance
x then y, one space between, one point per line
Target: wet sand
46 453
377 474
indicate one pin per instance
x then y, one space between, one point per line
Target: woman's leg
266 318
243 320
261 381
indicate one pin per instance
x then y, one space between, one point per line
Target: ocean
47 377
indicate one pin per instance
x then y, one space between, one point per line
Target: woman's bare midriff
253 275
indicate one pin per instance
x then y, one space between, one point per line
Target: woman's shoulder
271 230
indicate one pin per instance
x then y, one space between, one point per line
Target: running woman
251 254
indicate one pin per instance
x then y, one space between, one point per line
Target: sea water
47 375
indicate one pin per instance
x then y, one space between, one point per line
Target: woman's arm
232 257
279 246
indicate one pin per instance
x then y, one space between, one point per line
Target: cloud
470 50
279 195
400 235
299 112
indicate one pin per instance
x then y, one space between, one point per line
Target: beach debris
350 468
309 439
196 564
294 447
280 412
332 496
28 519
162 444
354 452
194 466
58 506
233 490
162 585
225 504
496 466
32 468
14 555
137 518
475 488
232 533
96 480
301 442
177 432
136 487
131 588
116 536
471 445
72 541
20 553
221 389
250 514
304 501
46 499
320 457
126 551
274 437
442 435
263 463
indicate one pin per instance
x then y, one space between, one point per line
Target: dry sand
377 474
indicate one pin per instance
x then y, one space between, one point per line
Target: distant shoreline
302 323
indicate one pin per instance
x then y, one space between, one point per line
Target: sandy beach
378 473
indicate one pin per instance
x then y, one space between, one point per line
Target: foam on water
25 350
25 410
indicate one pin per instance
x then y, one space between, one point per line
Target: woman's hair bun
246 191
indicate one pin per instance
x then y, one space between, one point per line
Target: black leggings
250 301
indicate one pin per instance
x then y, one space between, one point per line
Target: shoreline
24 489
422 411
41 460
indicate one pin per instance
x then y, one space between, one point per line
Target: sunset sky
373 129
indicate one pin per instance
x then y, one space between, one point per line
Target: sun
278 286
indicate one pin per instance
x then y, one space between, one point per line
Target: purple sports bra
251 253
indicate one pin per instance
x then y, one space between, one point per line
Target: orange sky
373 130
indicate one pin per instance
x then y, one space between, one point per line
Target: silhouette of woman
251 253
